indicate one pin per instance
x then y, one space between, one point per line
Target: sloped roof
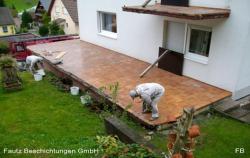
71 6
45 4
6 17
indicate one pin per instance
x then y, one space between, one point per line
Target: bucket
41 72
38 77
74 90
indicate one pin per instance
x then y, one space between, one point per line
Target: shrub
26 19
54 28
111 147
14 11
4 47
7 61
46 19
44 30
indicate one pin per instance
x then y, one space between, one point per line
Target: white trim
108 34
192 56
102 32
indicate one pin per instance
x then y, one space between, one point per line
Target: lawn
40 116
21 4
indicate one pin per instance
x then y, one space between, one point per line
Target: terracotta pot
189 155
170 146
194 131
172 137
177 155
190 144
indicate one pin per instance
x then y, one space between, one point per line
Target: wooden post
152 65
146 3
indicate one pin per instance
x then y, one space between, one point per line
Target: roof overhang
190 13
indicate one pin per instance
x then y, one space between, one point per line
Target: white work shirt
32 60
149 91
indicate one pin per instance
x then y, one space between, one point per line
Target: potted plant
10 78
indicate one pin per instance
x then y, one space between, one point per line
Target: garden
43 115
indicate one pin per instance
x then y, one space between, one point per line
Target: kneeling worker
150 94
32 62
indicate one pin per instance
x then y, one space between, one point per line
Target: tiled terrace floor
99 67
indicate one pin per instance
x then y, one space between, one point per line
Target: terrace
96 66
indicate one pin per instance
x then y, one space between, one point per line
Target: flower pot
38 77
194 131
189 154
172 137
178 155
74 90
170 146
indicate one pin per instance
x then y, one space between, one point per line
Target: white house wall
210 3
140 35
72 27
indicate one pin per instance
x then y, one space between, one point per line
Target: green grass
40 116
21 5
219 138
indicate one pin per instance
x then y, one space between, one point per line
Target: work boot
153 118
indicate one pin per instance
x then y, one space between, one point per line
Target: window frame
5 29
101 31
193 56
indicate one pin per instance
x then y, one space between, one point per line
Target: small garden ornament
181 141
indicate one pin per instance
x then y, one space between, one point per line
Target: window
57 10
19 48
198 43
65 12
5 29
107 24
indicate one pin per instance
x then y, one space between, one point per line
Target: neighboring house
64 12
7 24
214 44
41 8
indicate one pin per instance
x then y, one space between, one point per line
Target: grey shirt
149 91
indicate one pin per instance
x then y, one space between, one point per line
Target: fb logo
239 150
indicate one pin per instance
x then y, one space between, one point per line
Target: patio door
173 40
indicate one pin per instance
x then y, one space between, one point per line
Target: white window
65 12
5 29
198 43
57 10
107 24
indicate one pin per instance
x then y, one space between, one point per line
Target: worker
32 62
149 94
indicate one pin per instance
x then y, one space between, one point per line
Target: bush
111 147
26 19
44 30
46 19
7 61
54 28
14 11
4 47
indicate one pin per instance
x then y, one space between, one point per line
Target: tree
46 19
4 47
2 3
14 11
44 30
26 19
54 28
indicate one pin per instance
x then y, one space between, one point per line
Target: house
7 24
64 12
209 39
41 8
